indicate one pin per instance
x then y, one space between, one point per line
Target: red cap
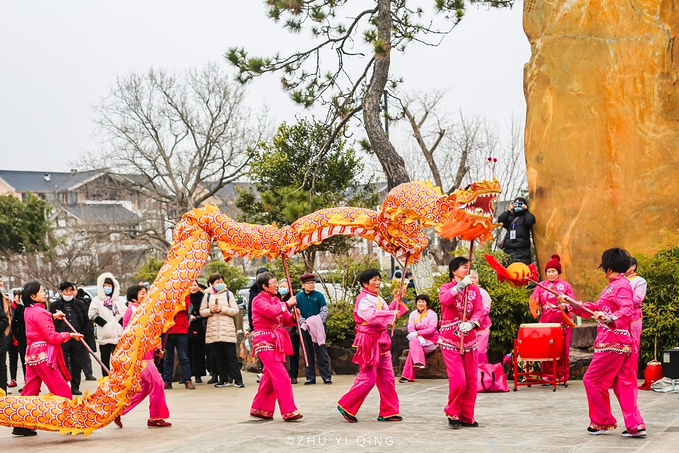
306 277
554 263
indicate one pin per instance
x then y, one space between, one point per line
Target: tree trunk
391 161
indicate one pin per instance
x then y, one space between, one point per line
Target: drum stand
539 377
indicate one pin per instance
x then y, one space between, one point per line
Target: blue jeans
181 342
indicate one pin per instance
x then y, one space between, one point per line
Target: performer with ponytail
612 364
271 343
373 346
462 312
44 357
548 306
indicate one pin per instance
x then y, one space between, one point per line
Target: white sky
59 59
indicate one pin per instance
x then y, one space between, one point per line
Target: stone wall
602 130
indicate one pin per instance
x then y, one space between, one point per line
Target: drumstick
569 299
299 328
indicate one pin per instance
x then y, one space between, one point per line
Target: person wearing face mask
549 312
75 353
107 310
518 222
423 333
220 308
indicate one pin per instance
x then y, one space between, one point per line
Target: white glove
422 341
464 283
466 326
411 335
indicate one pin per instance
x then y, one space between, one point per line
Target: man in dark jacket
75 353
17 347
4 324
518 222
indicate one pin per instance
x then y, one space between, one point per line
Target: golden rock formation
602 129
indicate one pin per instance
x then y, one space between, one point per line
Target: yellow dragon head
471 216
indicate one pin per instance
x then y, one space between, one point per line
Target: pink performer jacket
132 308
372 316
616 301
425 324
486 301
270 316
451 316
43 341
639 286
549 304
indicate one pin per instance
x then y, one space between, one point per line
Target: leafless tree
176 138
75 255
455 152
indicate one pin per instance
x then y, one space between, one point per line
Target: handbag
491 378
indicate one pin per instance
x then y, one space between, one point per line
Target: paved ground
216 420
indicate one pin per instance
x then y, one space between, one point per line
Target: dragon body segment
396 227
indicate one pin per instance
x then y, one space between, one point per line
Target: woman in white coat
107 310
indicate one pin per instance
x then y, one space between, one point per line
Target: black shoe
309 382
594 431
640 433
391 418
90 378
24 432
470 425
213 380
347 416
292 380
198 380
329 382
454 423
76 392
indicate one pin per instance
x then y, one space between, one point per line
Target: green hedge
509 308
661 307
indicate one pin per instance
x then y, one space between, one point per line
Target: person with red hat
550 312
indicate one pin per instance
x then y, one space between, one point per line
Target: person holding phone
518 221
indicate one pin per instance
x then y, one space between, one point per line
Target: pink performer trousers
462 376
53 379
635 328
609 369
482 346
416 354
368 376
563 364
152 385
274 386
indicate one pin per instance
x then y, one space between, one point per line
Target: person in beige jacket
219 307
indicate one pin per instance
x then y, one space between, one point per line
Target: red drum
540 341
